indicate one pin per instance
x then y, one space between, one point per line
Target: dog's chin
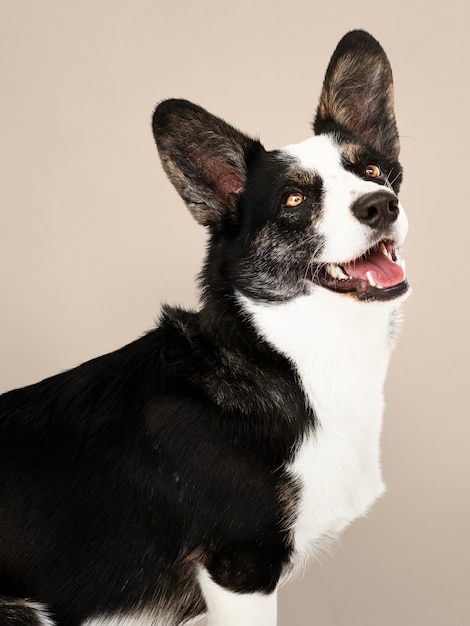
377 275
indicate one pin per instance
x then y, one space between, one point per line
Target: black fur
120 477
126 466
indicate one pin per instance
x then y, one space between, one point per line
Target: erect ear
205 159
357 94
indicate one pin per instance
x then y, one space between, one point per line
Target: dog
193 470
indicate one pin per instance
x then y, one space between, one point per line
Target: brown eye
294 199
373 170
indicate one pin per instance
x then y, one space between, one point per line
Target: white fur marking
137 619
41 612
226 608
340 348
345 237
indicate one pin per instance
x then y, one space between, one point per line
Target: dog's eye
294 199
373 170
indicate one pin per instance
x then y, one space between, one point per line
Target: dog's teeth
402 264
331 269
335 271
384 251
372 282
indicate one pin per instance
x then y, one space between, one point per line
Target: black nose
378 209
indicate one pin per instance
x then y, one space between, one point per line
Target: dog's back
195 468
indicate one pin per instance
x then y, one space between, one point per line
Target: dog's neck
340 349
335 342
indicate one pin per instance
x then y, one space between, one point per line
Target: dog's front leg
229 608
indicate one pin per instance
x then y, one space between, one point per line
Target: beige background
93 238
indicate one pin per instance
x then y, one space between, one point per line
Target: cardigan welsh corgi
195 469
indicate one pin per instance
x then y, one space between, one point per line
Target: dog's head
322 214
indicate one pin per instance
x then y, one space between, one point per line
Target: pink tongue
385 273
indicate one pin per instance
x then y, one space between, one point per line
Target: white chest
340 349
340 478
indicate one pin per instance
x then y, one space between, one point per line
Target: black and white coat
196 468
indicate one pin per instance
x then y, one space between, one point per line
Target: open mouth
376 275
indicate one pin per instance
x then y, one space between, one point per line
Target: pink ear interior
222 178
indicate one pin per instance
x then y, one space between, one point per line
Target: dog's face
321 214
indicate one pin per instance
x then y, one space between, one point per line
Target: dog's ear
205 159
357 95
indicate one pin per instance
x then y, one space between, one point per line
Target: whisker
314 268
390 183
